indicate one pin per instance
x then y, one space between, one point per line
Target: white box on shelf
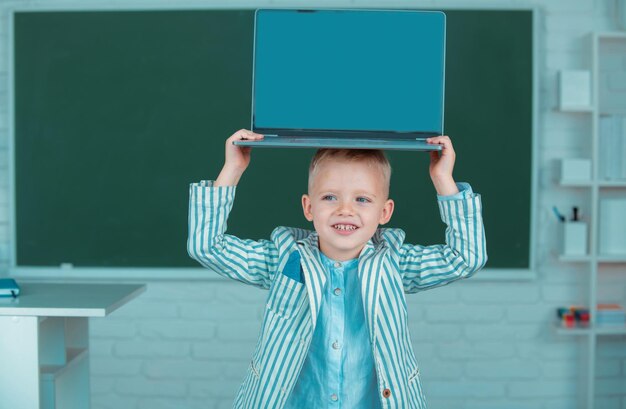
575 170
574 90
613 226
574 239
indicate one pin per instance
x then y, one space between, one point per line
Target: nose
345 208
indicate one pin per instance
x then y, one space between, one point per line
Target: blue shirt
339 369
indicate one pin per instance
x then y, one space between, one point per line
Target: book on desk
9 288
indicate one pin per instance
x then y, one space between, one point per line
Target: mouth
345 229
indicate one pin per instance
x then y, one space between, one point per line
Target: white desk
44 342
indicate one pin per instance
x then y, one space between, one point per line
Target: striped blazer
387 269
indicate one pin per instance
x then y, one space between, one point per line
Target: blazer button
386 393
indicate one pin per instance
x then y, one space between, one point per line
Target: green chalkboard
117 112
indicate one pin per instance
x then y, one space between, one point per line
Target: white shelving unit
604 47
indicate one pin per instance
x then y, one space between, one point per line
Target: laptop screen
349 70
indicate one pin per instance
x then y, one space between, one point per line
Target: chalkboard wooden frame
197 273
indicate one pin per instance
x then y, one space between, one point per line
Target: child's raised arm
442 165
236 158
464 253
248 261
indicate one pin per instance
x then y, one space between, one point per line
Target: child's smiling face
346 203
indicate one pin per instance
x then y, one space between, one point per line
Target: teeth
344 227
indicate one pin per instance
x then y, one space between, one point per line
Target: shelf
576 183
590 183
611 35
51 372
610 330
574 259
612 111
561 330
606 47
612 183
597 330
612 258
570 109
601 258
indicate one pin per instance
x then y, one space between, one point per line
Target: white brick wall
481 345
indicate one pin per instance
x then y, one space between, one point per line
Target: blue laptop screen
349 70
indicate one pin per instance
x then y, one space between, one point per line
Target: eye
329 197
363 199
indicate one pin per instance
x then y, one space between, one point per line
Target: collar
312 242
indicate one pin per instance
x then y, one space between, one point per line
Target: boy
335 328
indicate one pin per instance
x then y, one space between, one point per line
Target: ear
387 212
306 207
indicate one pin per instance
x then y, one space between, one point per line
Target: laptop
367 79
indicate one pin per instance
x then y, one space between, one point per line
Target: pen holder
574 239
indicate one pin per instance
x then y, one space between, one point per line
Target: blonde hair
371 157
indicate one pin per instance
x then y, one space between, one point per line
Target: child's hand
236 158
441 166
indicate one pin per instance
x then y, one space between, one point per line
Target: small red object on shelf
569 321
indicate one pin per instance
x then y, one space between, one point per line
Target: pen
575 215
558 215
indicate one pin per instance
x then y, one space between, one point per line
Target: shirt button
337 291
336 345
334 397
337 264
